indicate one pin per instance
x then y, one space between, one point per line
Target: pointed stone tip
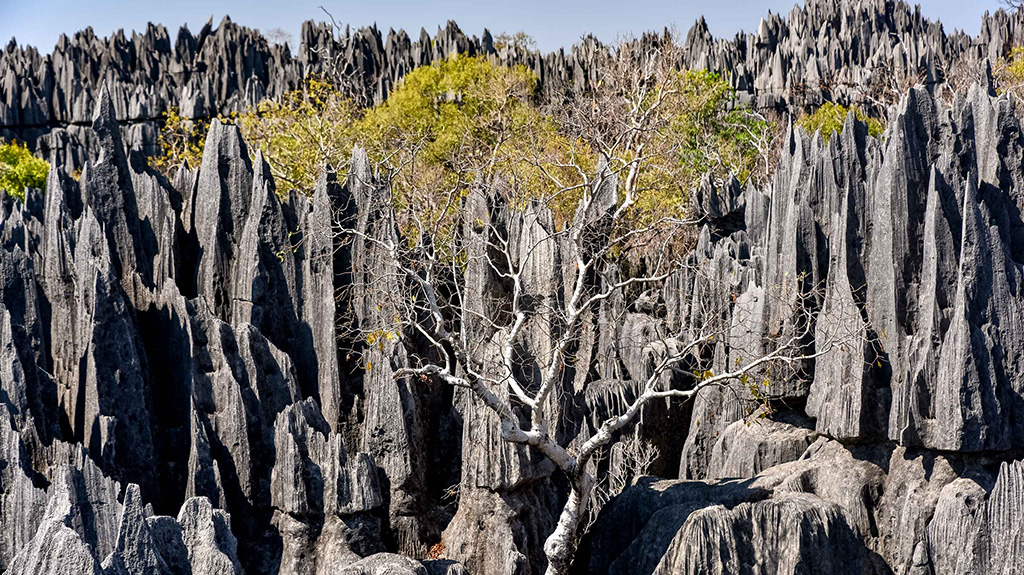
970 198
214 134
849 121
105 116
360 160
132 495
262 176
988 84
59 504
328 177
790 132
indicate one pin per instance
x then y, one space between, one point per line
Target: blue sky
552 23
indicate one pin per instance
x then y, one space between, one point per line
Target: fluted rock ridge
181 390
843 51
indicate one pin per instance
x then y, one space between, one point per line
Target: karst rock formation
177 394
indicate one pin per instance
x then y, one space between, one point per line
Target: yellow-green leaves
180 139
307 129
707 133
443 128
1009 71
380 337
830 117
467 121
19 169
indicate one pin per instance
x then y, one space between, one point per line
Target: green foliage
460 121
181 140
1009 71
443 128
829 119
465 121
19 169
307 129
704 133
715 137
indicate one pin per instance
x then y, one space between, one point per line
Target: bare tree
279 36
506 305
631 457
526 401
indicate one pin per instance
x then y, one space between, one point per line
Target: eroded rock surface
823 50
181 391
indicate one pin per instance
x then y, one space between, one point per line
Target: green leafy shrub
705 133
1009 72
19 169
716 137
298 135
443 128
466 120
181 140
829 119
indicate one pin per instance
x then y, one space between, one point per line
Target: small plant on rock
19 169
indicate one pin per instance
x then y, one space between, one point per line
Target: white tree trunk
560 546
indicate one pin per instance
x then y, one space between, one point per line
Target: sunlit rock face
181 392
842 51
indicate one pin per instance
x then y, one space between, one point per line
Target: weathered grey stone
494 530
56 549
325 269
634 529
206 533
25 383
312 474
108 191
345 540
136 551
78 520
788 534
997 544
392 431
167 541
954 521
385 564
795 60
22 502
220 207
185 337
748 447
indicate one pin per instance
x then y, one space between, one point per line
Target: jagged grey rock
136 551
193 339
206 534
748 447
790 61
385 563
